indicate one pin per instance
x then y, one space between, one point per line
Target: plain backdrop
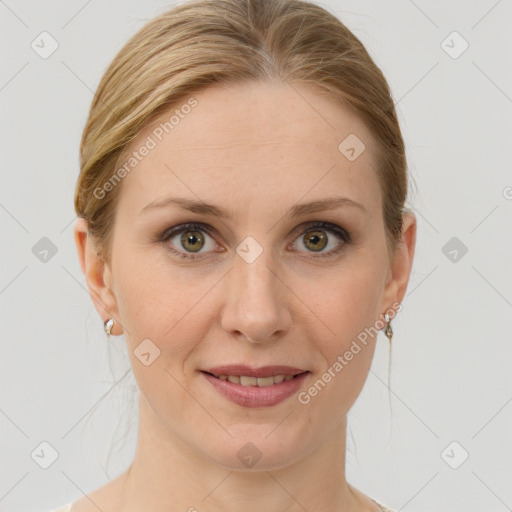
439 439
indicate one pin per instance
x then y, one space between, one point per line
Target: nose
257 301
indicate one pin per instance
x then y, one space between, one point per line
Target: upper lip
263 371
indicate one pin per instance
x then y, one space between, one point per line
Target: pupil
192 240
316 242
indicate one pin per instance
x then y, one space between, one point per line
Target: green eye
316 240
192 240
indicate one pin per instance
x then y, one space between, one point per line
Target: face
264 284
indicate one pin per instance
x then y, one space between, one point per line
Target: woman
242 224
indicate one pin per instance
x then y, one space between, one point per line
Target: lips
256 387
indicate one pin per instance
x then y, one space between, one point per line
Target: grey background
62 383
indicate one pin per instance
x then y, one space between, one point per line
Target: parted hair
205 42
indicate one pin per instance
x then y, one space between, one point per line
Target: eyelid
304 227
328 226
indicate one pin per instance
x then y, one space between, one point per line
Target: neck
166 475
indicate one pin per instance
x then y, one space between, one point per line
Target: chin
257 448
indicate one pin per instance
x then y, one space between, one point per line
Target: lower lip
254 396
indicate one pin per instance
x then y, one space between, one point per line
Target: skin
258 150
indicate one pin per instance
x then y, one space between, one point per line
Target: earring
108 325
388 331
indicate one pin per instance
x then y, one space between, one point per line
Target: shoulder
384 509
65 508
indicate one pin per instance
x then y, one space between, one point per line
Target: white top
384 509
67 507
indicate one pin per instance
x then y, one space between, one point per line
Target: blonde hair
205 42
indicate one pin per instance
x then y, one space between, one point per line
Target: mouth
262 387
261 382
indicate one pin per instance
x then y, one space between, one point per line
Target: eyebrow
329 203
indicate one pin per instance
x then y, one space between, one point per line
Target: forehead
242 142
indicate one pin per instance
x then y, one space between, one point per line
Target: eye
315 239
188 240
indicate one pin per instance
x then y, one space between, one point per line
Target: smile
250 391
255 381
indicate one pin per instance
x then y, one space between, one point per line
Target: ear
400 269
97 275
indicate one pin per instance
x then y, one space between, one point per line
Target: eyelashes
315 232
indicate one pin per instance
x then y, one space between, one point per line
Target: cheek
351 301
160 319
164 303
349 310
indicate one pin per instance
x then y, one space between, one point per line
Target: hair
205 42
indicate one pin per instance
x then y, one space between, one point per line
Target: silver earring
108 326
388 331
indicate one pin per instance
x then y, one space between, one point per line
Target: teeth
265 381
255 381
249 381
